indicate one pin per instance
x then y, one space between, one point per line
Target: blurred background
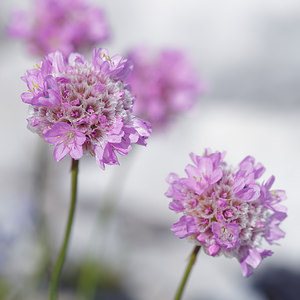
247 53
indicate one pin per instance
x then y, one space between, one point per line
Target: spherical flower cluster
65 25
84 107
165 86
227 211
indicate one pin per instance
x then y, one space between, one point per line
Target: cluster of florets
84 107
226 211
64 25
165 86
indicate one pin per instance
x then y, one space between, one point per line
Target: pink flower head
164 86
84 107
65 25
227 211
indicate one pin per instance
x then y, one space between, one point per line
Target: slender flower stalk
62 254
192 261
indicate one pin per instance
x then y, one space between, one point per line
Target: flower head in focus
84 107
64 25
165 86
227 211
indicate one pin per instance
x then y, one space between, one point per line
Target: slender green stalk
62 254
192 260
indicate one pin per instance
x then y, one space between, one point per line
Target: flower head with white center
65 25
227 211
84 107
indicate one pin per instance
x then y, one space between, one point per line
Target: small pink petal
60 151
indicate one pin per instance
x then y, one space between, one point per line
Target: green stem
62 254
192 260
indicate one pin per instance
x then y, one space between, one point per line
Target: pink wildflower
67 140
165 86
227 211
65 25
84 107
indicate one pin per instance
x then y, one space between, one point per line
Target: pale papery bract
166 85
84 107
64 25
227 211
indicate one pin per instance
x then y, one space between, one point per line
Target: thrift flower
84 107
225 210
65 25
165 86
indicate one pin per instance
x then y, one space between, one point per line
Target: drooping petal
176 206
60 151
213 249
109 155
184 227
273 232
144 129
76 151
246 270
99 151
27 98
122 148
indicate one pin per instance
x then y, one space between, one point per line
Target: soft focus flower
65 25
84 107
165 86
227 211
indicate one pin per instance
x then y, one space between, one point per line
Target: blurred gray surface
248 54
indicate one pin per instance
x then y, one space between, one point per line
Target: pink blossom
84 107
203 174
42 91
227 211
184 227
213 249
67 140
244 186
164 86
226 234
116 66
253 259
65 25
